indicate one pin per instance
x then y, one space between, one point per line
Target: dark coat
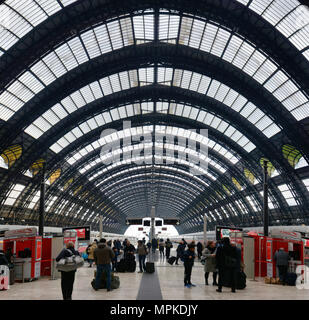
186 256
154 243
103 254
222 252
199 247
181 249
3 260
66 254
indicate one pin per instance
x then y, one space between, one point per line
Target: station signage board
83 233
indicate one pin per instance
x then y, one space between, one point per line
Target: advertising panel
83 233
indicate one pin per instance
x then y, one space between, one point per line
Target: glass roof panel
118 34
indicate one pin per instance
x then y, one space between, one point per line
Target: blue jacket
186 256
181 249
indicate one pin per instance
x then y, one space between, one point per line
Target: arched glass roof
69 70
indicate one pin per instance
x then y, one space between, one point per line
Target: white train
211 235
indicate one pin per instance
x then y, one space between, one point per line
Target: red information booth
266 247
27 248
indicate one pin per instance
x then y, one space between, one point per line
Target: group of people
222 259
162 246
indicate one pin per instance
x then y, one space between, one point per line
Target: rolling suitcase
171 260
121 266
130 265
240 281
290 279
150 268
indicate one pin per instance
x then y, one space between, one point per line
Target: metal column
101 226
265 204
152 224
205 230
42 201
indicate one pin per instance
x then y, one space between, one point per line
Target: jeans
142 265
188 271
168 252
100 269
90 262
282 272
67 281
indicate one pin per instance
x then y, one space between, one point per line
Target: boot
206 278
214 275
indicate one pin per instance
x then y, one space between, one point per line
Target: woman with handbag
209 256
67 277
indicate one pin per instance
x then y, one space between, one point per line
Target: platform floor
167 282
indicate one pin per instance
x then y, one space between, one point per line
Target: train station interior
154 119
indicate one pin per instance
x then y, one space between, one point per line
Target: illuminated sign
83 233
224 232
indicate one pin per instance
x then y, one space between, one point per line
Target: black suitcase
290 279
150 268
240 281
171 260
121 266
130 265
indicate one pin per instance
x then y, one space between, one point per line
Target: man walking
103 256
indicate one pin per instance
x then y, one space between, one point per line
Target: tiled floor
171 283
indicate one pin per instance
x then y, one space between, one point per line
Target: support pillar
42 201
205 230
265 199
101 227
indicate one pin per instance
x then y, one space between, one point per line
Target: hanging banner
28 232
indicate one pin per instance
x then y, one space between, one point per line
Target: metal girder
80 15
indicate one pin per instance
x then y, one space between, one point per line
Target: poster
268 251
269 270
38 249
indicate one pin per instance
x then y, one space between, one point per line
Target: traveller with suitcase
168 247
171 260
227 261
103 256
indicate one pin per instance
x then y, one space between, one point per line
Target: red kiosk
258 251
27 248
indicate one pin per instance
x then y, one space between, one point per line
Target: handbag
70 263
203 260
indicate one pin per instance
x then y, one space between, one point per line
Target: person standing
103 256
161 248
199 248
90 254
210 262
154 245
67 277
168 247
180 251
227 261
129 251
188 259
281 258
142 253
